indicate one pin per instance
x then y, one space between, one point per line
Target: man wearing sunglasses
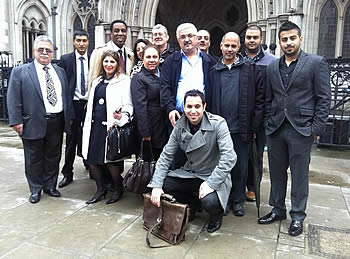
38 108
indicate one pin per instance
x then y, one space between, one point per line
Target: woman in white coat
109 104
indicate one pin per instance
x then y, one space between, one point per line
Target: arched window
328 30
77 25
91 31
346 37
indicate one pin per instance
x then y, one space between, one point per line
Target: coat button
285 109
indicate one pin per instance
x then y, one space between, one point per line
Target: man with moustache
235 92
75 65
203 37
39 111
160 39
298 97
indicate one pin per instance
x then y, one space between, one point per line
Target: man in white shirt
38 107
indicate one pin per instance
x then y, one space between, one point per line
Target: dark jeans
185 190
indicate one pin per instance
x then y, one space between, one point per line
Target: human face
229 49
139 49
159 38
151 59
43 52
194 109
204 40
81 43
252 41
290 42
188 40
109 66
118 34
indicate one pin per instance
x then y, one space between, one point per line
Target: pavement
66 227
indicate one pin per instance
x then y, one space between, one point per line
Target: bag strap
158 224
141 150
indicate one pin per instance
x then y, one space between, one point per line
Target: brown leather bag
168 222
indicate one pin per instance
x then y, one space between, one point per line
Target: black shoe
116 196
296 228
238 210
270 218
214 224
65 181
53 192
97 197
34 197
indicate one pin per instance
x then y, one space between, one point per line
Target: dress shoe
100 195
270 218
238 210
34 197
250 196
296 228
116 196
53 192
214 224
65 181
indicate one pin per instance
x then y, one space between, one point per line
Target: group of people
198 113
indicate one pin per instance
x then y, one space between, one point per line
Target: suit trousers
42 156
185 190
74 140
288 148
239 173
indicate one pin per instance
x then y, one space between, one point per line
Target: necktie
121 59
50 87
82 77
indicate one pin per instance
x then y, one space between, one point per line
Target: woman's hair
136 58
150 46
115 56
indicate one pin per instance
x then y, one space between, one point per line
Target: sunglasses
41 50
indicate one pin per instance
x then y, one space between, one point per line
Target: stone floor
68 228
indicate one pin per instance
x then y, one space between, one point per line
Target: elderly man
160 39
118 30
205 178
298 96
235 90
38 106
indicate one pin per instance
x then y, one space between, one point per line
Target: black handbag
122 141
140 174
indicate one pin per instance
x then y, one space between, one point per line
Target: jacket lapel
198 139
33 75
298 67
277 73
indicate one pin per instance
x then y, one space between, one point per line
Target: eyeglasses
41 50
190 36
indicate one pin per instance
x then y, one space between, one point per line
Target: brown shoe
250 196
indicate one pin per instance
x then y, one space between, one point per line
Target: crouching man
205 180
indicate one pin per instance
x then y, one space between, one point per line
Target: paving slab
112 254
11 238
325 195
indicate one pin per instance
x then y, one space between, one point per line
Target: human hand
155 196
117 114
147 138
172 117
18 128
254 135
314 135
204 190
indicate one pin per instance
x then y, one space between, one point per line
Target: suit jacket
306 100
25 101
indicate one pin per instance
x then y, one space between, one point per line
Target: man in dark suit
38 107
297 104
75 65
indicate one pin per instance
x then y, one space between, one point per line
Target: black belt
80 101
50 116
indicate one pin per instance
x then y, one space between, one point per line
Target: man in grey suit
297 104
38 107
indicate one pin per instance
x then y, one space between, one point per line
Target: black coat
151 118
251 96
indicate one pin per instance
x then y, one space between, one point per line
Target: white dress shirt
77 93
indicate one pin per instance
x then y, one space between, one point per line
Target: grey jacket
209 152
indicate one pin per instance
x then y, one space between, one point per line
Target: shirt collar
77 55
199 53
41 66
257 57
117 48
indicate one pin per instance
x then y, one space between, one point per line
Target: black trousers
42 156
74 140
185 190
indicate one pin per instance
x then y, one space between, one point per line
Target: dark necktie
50 87
82 76
121 59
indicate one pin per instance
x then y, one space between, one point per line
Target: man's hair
231 32
40 39
194 93
80 33
160 27
117 21
183 26
150 46
287 26
254 27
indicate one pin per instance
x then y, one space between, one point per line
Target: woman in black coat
151 119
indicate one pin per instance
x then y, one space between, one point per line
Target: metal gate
5 70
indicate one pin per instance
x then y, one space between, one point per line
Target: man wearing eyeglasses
38 107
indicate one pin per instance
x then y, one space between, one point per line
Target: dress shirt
57 84
191 77
77 93
286 71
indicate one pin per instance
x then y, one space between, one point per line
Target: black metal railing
5 71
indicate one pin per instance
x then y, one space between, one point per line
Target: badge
101 101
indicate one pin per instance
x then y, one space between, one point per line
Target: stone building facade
325 23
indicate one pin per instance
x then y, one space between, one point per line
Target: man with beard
297 104
160 39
